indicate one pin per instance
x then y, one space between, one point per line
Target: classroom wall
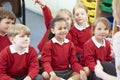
54 5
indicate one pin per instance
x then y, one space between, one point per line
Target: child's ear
52 30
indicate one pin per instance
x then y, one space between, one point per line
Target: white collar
54 40
80 27
98 44
12 49
3 34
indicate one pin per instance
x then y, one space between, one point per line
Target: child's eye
99 29
106 28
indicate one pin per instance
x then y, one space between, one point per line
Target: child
7 18
48 17
97 48
81 30
58 55
19 60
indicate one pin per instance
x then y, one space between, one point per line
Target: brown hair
4 13
103 20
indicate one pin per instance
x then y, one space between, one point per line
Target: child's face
80 15
4 24
21 40
68 19
60 30
101 31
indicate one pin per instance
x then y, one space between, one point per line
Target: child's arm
46 13
101 74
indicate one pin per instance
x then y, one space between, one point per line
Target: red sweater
59 57
47 18
16 65
79 37
4 41
92 53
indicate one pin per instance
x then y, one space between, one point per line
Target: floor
36 24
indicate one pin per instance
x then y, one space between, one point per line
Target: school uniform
79 36
15 65
59 57
94 51
47 18
4 41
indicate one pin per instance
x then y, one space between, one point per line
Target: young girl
81 30
19 60
98 48
66 14
58 55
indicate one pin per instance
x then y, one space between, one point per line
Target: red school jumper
47 18
79 37
59 57
13 64
4 41
92 53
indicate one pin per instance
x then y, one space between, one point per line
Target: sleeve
89 56
74 61
46 58
34 65
47 16
3 66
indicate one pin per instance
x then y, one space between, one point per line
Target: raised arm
46 13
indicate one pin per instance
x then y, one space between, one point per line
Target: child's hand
27 78
87 70
53 76
40 2
83 75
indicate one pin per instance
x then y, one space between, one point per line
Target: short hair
16 29
103 20
5 13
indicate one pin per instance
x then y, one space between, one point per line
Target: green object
107 1
105 8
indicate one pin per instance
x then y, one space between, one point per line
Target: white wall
54 5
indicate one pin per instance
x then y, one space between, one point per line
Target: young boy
7 18
19 60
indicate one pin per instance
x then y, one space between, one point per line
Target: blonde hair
4 13
18 29
116 7
80 5
65 11
103 20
